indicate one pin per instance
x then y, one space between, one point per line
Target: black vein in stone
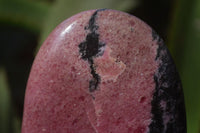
92 48
168 89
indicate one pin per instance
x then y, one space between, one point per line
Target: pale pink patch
108 67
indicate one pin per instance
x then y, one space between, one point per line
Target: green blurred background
24 25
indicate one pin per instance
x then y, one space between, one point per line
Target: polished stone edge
168 108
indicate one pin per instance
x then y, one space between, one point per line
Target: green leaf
23 13
185 45
5 118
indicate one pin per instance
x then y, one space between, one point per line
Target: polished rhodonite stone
103 71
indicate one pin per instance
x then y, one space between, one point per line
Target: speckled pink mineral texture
100 71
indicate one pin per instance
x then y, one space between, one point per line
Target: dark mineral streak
171 118
92 48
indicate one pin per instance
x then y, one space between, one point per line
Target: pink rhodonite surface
58 99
